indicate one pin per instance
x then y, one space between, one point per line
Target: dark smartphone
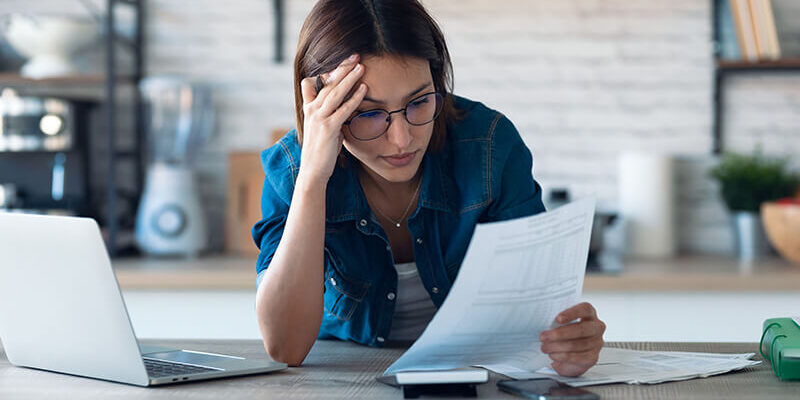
545 389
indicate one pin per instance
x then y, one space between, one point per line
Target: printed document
516 277
649 367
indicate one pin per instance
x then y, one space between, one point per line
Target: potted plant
747 181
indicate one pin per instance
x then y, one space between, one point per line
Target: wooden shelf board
793 63
15 79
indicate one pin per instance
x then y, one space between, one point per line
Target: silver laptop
61 310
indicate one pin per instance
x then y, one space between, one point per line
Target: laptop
61 310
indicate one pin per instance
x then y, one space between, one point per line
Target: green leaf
746 181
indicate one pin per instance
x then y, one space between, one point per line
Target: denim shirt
482 174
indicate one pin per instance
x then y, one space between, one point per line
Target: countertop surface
684 273
342 370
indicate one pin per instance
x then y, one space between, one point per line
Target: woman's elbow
284 354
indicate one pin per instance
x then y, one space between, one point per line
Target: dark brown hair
335 29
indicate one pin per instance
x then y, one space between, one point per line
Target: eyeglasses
371 124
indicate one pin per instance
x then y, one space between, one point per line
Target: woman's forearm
289 301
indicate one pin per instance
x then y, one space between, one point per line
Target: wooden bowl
782 223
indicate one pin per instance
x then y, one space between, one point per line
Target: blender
178 120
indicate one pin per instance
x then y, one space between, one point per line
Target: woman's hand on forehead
324 113
334 76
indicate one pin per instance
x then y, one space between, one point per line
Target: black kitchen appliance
44 153
607 242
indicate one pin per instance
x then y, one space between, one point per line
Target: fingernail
562 319
543 337
352 57
358 68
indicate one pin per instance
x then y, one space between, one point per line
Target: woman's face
391 82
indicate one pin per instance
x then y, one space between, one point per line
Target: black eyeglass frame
439 105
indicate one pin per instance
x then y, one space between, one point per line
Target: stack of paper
648 367
516 277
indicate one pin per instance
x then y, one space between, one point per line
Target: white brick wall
583 80
763 108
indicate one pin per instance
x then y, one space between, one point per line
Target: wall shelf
101 88
724 68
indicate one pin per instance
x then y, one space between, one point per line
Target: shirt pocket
343 294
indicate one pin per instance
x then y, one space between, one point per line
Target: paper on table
649 367
516 277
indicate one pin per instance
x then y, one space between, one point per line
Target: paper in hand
517 275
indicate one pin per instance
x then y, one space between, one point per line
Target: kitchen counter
214 272
684 273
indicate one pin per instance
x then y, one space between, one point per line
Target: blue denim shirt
482 174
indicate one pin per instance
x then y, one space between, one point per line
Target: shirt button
419 240
380 339
363 222
390 296
435 289
333 281
388 248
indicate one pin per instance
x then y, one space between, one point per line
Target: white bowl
49 41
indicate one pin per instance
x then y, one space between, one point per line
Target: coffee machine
43 162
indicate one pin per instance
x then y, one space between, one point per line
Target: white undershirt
414 308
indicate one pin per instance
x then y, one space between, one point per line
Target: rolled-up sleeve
281 168
515 192
268 231
275 198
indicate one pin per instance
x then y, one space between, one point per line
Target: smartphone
545 389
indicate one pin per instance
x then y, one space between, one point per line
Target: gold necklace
403 217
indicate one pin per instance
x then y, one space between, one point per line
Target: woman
364 230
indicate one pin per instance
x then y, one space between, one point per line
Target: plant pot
750 241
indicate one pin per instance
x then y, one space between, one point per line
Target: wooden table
340 370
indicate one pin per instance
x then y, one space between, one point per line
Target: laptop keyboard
160 368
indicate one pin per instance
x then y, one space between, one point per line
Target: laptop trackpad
212 360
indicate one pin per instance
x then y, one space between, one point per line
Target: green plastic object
780 345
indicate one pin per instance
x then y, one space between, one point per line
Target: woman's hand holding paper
574 347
